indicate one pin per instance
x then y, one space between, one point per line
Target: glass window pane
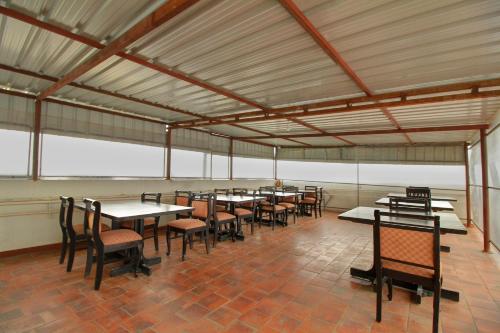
220 166
70 156
255 168
187 163
317 171
15 152
435 176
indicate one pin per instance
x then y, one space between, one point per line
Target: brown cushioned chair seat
289 199
187 224
287 205
308 200
119 236
246 204
270 208
222 216
79 228
409 269
242 212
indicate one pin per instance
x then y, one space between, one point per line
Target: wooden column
168 165
231 159
275 163
36 140
467 185
486 197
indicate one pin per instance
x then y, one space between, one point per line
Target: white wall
493 144
29 210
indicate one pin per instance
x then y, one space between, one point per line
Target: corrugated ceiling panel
322 141
231 130
455 136
376 139
391 45
254 48
279 127
279 142
351 121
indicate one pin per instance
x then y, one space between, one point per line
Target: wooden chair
106 242
416 204
273 211
408 253
182 199
221 206
290 203
149 222
72 232
310 201
198 221
223 219
246 210
418 192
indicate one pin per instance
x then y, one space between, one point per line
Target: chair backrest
417 204
92 220
312 192
407 243
182 198
204 206
151 197
290 188
240 191
66 214
269 193
418 192
224 191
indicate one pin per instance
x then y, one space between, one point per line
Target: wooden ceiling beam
378 132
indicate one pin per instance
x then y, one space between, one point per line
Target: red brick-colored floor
293 279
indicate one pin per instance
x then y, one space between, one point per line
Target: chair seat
242 212
79 228
187 224
119 236
269 208
289 199
246 204
129 224
222 216
220 208
287 205
310 201
409 269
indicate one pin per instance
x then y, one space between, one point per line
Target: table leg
239 230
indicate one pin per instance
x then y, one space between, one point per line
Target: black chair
221 206
182 199
416 204
408 253
72 232
310 201
198 221
418 192
291 203
246 211
107 242
149 222
269 207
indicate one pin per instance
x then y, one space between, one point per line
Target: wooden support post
230 159
168 164
275 172
36 140
486 197
467 185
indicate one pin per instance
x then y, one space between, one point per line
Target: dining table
449 223
436 205
434 197
233 200
137 211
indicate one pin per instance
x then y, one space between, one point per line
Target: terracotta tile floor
293 279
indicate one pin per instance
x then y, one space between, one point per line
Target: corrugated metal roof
322 141
257 50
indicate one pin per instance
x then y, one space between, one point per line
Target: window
15 152
220 166
318 171
254 168
190 164
71 156
435 176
